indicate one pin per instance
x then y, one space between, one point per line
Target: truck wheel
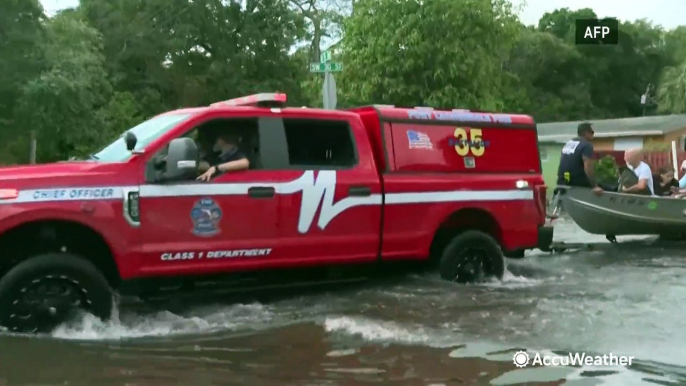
472 256
44 291
516 254
671 237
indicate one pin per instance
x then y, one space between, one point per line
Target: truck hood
59 169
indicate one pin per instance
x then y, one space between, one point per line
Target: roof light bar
256 100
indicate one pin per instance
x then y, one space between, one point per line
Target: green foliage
657 146
79 79
606 170
398 52
672 91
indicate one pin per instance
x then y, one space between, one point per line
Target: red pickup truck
357 188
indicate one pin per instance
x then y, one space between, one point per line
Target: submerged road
417 330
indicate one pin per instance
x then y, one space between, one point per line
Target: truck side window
314 143
243 130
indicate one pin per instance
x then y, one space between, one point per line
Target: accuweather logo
596 31
522 359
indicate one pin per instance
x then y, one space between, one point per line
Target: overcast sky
668 13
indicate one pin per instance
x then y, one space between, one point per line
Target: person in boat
682 181
576 161
644 176
664 183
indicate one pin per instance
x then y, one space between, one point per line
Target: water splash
165 323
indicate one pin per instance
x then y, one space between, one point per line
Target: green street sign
326 67
325 57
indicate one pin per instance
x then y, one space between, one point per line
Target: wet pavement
416 330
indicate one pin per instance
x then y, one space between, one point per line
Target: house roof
610 128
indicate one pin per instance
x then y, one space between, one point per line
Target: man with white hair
634 161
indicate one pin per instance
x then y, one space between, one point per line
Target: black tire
672 237
516 254
470 257
44 291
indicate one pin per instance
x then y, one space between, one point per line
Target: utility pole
32 147
327 67
646 99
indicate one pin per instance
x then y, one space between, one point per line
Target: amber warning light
256 100
8 194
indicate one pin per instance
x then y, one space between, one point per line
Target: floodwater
416 330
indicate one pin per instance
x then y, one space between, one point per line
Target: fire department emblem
205 216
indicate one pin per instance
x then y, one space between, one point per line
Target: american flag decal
419 140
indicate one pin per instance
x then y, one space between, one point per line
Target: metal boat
623 214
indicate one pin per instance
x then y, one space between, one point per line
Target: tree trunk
316 39
32 149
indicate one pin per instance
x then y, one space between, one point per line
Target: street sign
326 67
325 56
329 92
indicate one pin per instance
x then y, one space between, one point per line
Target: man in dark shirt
576 162
230 158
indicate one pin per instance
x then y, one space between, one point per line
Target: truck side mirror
131 140
182 160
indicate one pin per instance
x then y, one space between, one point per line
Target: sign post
327 67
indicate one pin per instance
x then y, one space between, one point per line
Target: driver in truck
231 158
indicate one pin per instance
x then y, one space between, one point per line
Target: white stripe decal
87 193
315 192
458 196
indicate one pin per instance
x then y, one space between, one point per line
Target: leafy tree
21 32
551 75
672 91
439 53
61 103
79 79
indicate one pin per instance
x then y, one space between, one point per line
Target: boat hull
624 214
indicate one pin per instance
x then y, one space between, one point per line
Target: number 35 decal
465 143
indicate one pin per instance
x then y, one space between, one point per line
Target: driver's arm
241 163
234 166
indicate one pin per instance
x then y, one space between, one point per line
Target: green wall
550 160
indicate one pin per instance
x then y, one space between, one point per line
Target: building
622 134
550 152
654 133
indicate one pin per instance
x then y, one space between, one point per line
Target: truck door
330 212
230 222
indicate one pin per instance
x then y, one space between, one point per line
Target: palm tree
672 91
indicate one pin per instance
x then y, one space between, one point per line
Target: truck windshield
146 133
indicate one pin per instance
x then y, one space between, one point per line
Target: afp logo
597 31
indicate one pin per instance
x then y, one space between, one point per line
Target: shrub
606 170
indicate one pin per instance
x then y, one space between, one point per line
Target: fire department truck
323 190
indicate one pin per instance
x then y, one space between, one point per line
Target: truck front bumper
545 237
